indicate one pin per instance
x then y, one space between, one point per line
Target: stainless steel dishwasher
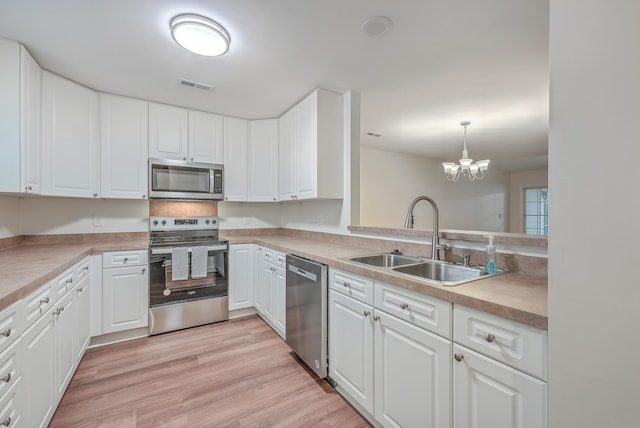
306 292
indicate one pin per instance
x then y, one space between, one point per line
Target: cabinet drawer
124 258
357 286
515 344
419 309
10 369
11 324
81 270
281 260
268 255
38 302
63 283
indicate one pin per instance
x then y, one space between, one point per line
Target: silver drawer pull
85 268
6 422
44 301
6 333
126 259
346 284
367 313
458 357
490 338
403 305
6 378
143 270
69 281
376 318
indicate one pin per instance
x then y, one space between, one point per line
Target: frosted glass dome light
200 35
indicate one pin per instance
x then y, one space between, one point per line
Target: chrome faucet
435 240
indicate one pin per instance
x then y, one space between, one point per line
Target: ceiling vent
197 85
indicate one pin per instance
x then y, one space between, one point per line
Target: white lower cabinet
52 346
38 345
125 298
271 289
412 375
241 258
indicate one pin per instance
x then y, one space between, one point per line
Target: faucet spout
408 223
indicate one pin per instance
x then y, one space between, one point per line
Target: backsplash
168 208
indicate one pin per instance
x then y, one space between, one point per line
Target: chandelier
473 171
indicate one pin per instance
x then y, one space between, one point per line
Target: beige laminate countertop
517 297
26 267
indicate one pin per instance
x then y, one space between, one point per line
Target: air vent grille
197 85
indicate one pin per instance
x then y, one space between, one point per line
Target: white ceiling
443 61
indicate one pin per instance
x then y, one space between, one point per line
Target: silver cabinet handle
367 313
184 158
6 333
144 196
56 312
376 318
274 199
27 188
403 305
69 281
95 195
143 270
85 268
125 260
6 378
191 159
6 422
346 284
44 301
458 357
490 338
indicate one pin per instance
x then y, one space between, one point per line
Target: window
536 211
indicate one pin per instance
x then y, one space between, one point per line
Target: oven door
163 290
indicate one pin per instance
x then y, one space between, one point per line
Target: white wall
518 181
594 316
9 217
389 181
44 216
243 215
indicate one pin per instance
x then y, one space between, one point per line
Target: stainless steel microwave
174 179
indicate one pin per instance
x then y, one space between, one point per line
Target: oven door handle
168 250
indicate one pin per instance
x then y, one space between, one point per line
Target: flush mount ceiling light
473 171
200 35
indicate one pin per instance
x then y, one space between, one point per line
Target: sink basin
386 260
444 273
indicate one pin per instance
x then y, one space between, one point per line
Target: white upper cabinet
263 160
236 144
124 145
205 137
20 120
168 132
311 148
69 138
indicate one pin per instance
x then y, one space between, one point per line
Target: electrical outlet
98 221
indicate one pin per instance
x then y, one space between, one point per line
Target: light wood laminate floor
238 373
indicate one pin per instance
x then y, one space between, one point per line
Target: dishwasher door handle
311 276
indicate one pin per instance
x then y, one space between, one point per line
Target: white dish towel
199 262
179 263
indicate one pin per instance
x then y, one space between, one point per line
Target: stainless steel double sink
432 271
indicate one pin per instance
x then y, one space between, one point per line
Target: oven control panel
183 223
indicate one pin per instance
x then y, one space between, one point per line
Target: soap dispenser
490 258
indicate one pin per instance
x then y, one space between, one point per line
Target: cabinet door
280 310
235 159
124 145
240 276
69 138
30 125
168 132
487 393
258 293
205 137
263 160
125 294
96 295
38 372
412 375
286 156
65 344
351 347
306 148
83 297
268 289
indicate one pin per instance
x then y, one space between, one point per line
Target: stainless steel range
188 273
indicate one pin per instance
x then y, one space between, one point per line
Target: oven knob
164 222
213 221
207 222
155 222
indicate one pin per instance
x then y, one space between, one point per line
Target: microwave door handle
211 180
